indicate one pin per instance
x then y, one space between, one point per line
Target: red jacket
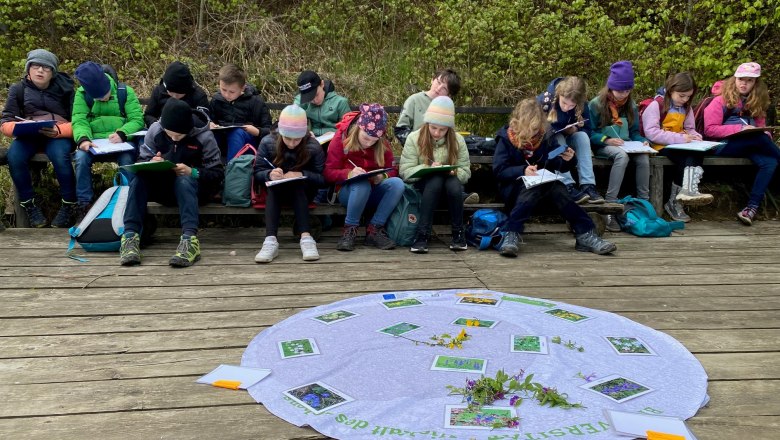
337 167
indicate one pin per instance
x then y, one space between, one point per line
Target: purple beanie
621 76
93 79
372 120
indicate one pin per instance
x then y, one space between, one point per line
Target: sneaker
591 242
458 242
510 245
747 215
64 217
676 211
347 240
187 253
309 249
471 199
377 236
34 214
420 245
81 211
612 224
577 195
593 195
130 249
269 251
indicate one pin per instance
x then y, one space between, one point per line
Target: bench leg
20 216
598 220
657 187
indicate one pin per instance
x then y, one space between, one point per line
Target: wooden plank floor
92 350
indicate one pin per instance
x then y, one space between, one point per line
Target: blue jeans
168 189
580 143
385 196
84 161
760 149
236 139
58 150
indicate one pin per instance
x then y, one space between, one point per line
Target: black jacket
249 108
312 169
197 98
55 102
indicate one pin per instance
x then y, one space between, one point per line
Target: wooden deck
92 350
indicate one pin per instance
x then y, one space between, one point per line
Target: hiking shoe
471 199
420 245
64 217
591 242
510 245
269 251
34 214
377 236
347 240
577 195
593 195
130 249
458 242
309 249
612 224
747 215
187 253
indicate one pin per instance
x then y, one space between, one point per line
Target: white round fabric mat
355 382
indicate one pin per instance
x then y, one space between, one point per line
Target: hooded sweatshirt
105 117
196 98
324 117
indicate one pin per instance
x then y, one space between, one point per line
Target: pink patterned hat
372 120
748 70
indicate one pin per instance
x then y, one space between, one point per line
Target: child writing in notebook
523 148
359 147
615 120
566 107
291 152
436 143
742 105
668 119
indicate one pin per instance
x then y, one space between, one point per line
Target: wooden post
657 184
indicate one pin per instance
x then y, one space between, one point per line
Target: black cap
177 78
177 116
308 81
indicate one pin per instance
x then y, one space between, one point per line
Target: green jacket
105 117
600 134
323 118
411 161
414 111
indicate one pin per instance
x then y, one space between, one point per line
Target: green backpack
402 224
237 190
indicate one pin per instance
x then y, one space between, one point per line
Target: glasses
40 66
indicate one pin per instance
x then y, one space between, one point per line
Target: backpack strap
121 94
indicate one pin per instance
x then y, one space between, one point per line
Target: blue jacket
547 101
509 162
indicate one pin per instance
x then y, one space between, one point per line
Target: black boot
420 245
458 242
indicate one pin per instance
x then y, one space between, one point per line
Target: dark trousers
526 199
682 159
760 149
433 188
297 193
166 188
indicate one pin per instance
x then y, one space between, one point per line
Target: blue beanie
93 79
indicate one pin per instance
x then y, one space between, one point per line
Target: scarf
614 106
527 147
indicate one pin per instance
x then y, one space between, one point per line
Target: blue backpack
103 226
485 228
639 218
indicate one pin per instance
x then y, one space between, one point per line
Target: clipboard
745 132
430 170
157 165
366 175
27 128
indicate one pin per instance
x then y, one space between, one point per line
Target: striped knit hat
441 112
293 123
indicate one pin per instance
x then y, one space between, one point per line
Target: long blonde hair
573 88
426 143
352 144
757 101
527 120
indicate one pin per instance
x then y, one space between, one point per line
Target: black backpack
480 145
121 92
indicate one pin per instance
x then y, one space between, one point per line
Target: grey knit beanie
42 57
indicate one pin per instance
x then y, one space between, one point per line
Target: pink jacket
714 127
651 122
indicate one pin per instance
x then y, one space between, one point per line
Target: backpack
402 224
698 110
485 228
102 228
643 106
480 145
639 218
121 92
237 190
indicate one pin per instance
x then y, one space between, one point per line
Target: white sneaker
269 251
309 249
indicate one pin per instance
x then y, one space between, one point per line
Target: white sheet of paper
277 182
637 424
542 176
246 375
637 147
104 146
695 146
325 137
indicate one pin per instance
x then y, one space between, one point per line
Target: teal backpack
102 227
237 189
402 224
639 218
